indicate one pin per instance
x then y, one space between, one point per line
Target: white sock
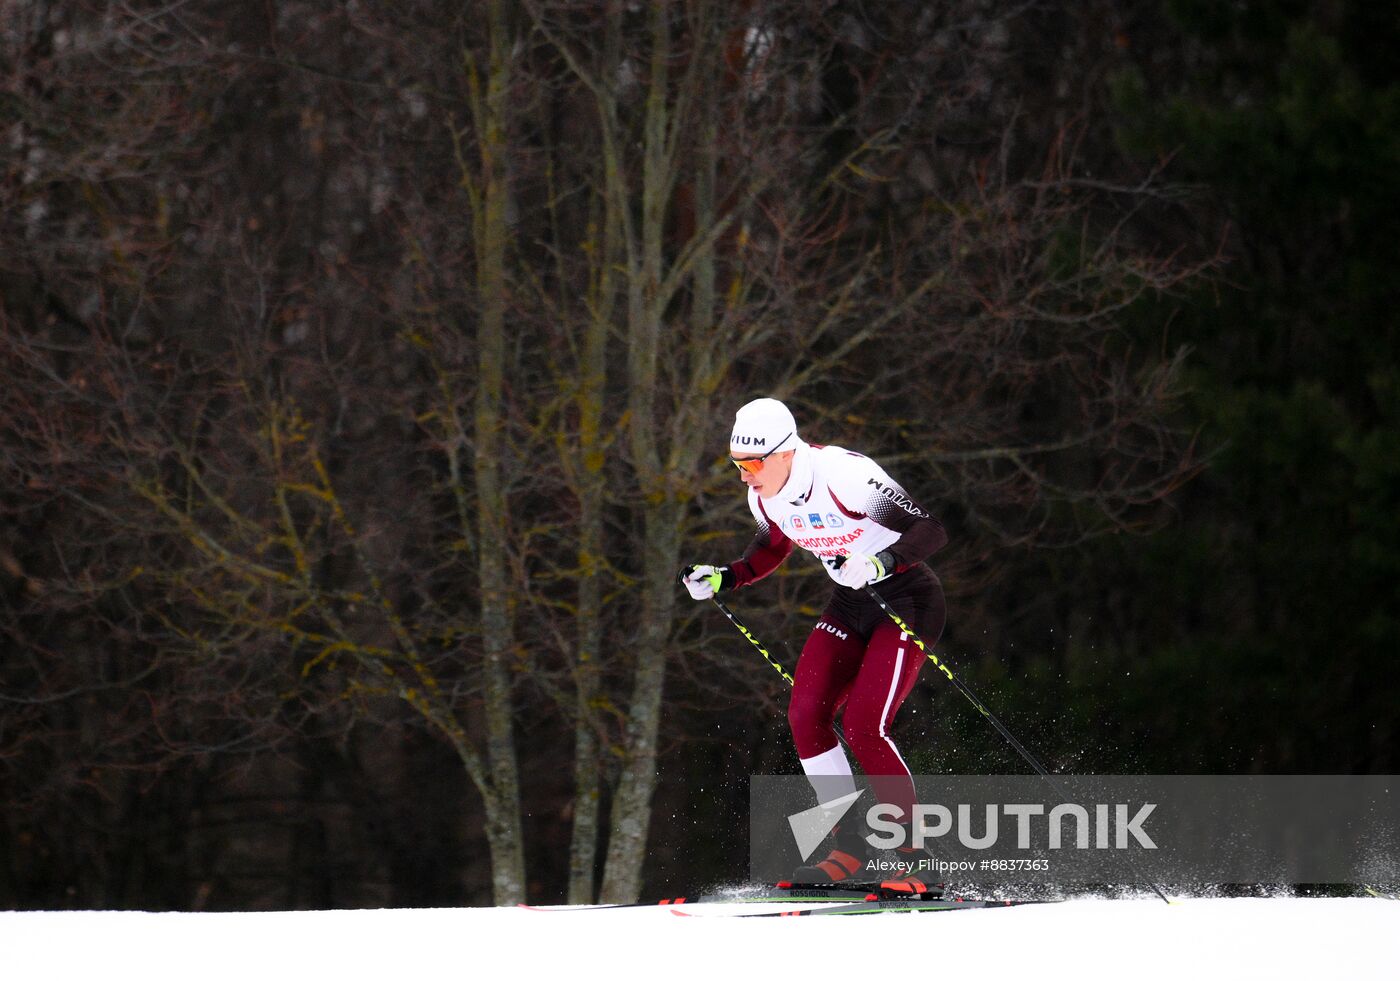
830 774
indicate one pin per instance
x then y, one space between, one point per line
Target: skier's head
762 445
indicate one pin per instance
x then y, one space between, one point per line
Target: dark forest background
368 369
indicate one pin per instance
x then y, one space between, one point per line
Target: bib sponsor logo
834 520
797 522
816 520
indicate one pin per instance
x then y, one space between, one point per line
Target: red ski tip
784 885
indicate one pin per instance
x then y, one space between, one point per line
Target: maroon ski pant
858 658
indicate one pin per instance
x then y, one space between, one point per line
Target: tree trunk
631 808
504 833
592 493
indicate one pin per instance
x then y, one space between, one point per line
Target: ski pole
958 684
752 639
987 714
769 658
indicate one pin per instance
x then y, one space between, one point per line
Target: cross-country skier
843 508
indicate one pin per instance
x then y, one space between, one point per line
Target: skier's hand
703 581
861 570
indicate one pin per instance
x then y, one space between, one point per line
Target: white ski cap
763 426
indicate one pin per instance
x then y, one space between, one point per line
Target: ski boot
917 884
846 862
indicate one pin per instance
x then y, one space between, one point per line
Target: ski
896 894
788 892
864 907
776 893
676 901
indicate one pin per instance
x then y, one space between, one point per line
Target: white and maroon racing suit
837 503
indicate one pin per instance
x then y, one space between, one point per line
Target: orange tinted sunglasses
754 464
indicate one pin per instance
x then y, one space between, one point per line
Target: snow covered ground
1213 938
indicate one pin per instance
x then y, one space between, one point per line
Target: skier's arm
886 503
919 537
768 550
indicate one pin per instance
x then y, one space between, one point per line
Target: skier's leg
887 674
888 671
825 672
